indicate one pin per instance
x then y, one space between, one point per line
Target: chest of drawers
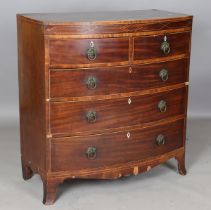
102 95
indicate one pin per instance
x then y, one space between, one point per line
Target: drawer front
105 81
88 52
112 149
93 116
149 47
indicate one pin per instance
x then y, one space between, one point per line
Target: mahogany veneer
148 47
70 118
116 148
110 80
102 95
73 51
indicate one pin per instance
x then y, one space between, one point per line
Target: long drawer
114 80
93 116
115 148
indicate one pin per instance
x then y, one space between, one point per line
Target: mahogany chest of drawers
102 95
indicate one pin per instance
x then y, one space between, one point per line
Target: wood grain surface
114 149
116 28
70 117
74 51
148 47
114 80
32 95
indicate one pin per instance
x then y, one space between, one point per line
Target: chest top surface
108 16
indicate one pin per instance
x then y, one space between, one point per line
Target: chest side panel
32 90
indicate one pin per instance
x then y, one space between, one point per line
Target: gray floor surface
161 188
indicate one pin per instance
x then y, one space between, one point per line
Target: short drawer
72 118
159 46
88 52
114 80
115 148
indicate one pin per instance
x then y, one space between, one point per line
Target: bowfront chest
102 95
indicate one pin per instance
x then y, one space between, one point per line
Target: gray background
200 74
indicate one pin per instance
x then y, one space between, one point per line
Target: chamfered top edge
103 16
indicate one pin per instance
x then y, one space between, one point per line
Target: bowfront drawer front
116 148
88 52
159 46
92 116
114 80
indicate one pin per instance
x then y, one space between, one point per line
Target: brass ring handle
91 153
165 48
91 116
160 139
91 51
162 106
163 74
91 83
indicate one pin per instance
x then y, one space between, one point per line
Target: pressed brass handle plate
91 52
163 74
162 106
165 46
91 153
91 116
91 83
160 139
